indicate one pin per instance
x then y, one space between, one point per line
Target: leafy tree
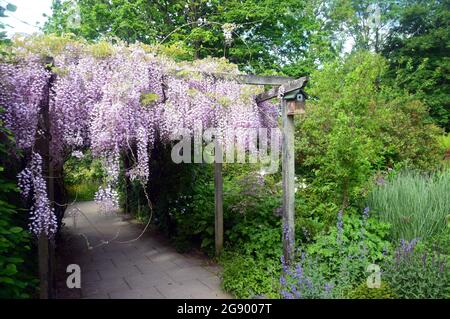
260 36
412 34
363 22
417 49
3 14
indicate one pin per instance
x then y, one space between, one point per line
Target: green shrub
415 204
250 223
193 217
253 227
246 277
14 246
16 279
363 292
355 126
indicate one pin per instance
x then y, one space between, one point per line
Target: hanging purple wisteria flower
32 183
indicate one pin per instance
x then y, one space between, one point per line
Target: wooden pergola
290 91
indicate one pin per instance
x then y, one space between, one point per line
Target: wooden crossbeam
263 80
248 78
287 87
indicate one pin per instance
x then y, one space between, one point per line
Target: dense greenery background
374 127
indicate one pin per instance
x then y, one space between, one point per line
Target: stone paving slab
146 268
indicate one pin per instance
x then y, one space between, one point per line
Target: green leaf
10 269
11 7
16 229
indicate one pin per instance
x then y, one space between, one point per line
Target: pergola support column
218 199
288 175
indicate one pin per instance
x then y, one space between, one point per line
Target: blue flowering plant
303 281
337 260
417 271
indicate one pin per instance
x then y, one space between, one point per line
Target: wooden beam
218 201
248 78
288 175
288 87
263 80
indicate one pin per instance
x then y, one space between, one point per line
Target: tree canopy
260 36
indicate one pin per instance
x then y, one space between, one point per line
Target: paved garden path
145 268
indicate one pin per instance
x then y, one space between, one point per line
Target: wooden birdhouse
295 102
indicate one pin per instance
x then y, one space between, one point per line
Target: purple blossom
328 288
340 226
100 103
298 271
366 213
31 182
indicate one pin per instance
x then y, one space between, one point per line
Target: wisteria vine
114 99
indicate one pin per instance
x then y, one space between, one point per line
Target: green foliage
252 201
306 280
261 25
14 245
249 220
337 260
363 292
3 14
82 177
365 21
85 168
355 126
149 98
247 277
16 280
415 204
414 273
444 141
194 218
417 49
343 255
83 191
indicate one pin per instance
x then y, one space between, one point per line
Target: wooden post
218 200
46 246
288 174
44 271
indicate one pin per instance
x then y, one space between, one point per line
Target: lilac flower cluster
21 91
406 249
31 182
366 214
107 198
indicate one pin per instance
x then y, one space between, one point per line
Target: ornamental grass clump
417 205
